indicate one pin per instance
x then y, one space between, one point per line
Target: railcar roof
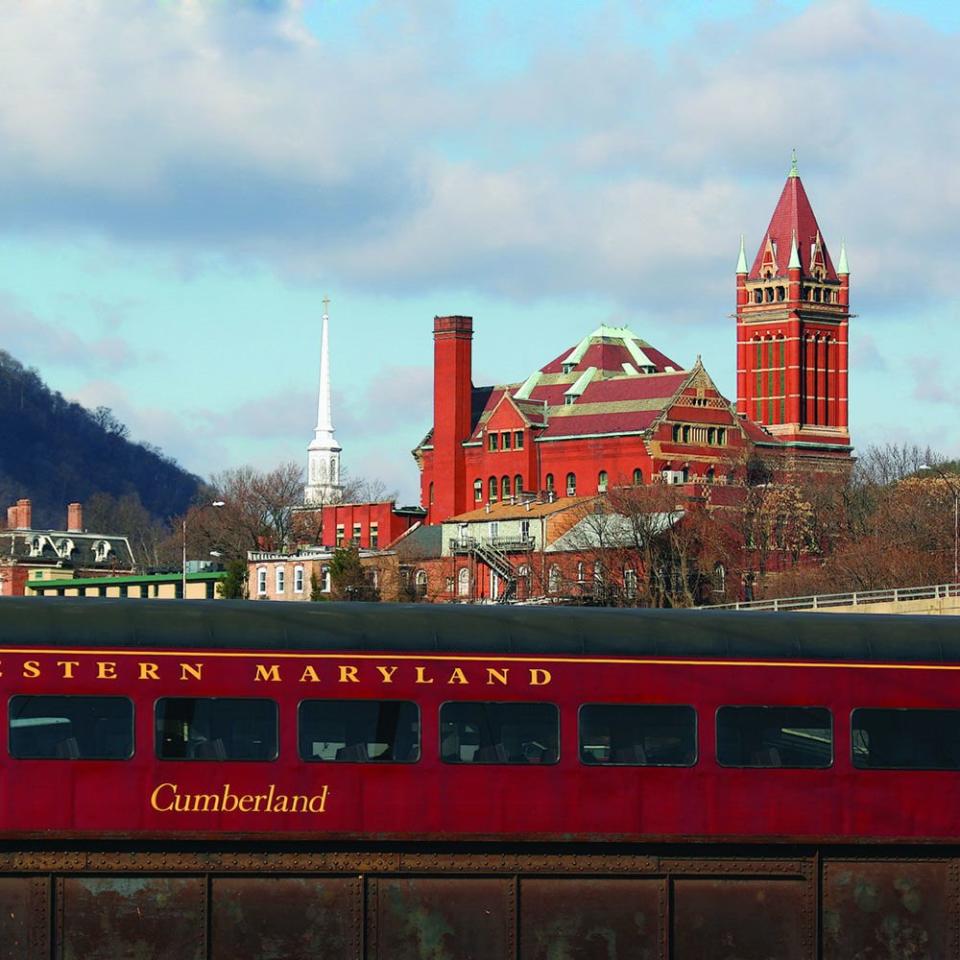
245 625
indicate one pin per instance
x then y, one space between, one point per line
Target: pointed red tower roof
794 217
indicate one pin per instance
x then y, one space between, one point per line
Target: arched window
517 484
504 488
549 482
676 433
816 294
630 584
720 579
781 294
261 581
571 484
492 489
281 579
711 435
580 570
710 475
524 582
553 579
758 295
637 477
686 434
420 582
602 481
478 489
325 583
298 579
463 582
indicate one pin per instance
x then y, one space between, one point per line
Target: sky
182 181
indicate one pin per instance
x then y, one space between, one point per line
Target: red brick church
613 410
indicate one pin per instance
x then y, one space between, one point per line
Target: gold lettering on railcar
442 672
167 798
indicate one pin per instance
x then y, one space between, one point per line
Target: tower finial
842 268
794 172
794 263
742 259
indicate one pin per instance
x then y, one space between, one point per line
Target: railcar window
213 728
906 739
472 732
71 728
359 731
774 737
647 735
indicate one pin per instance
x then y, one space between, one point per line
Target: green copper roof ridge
794 263
842 268
742 259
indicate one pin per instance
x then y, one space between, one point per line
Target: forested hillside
54 451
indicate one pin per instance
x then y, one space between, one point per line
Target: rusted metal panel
109 918
733 919
592 919
285 918
24 918
440 918
875 910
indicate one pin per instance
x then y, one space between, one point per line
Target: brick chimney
24 515
74 518
452 396
12 517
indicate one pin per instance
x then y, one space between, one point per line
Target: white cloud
394 163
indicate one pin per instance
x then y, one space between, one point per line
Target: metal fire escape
493 554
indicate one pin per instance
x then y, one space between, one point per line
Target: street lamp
956 516
215 503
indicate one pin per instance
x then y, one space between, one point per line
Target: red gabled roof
647 387
793 216
587 424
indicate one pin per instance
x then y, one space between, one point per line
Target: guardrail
859 598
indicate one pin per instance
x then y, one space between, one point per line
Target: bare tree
256 514
126 515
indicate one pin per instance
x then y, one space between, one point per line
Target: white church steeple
323 454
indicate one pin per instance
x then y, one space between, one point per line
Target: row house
37 555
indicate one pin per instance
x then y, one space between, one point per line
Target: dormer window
568 400
36 546
569 367
101 551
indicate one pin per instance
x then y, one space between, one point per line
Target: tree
256 513
234 585
348 578
149 538
105 418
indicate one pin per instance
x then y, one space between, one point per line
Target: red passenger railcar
349 722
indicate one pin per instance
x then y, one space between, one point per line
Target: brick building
614 410
27 554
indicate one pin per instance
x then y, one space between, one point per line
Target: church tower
323 454
793 308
